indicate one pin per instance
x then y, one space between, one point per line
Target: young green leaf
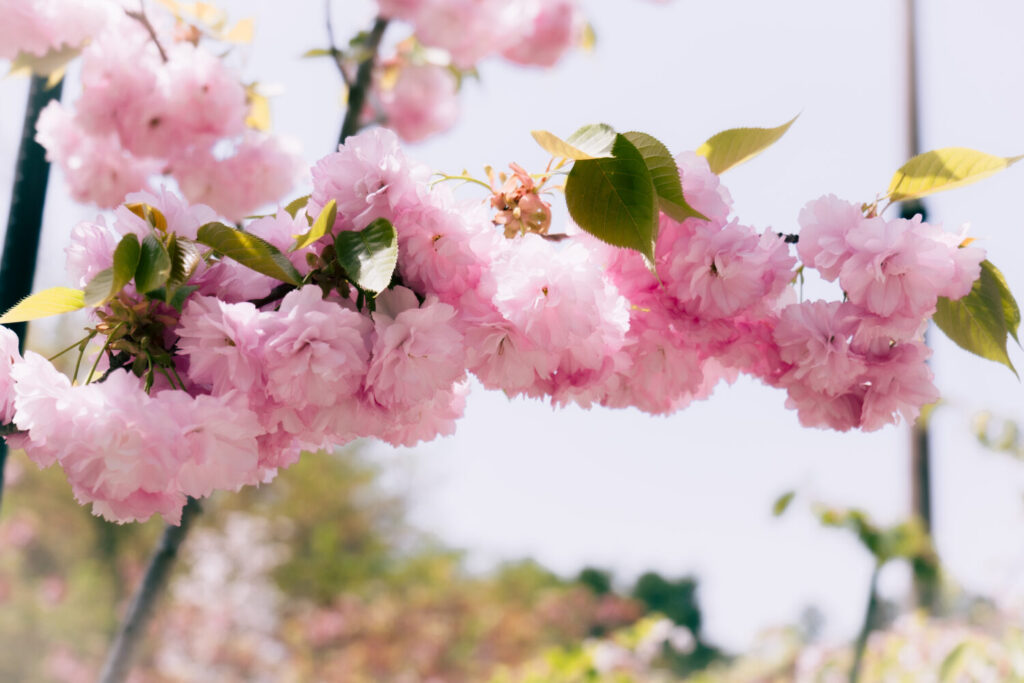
782 503
296 205
100 288
185 258
734 146
594 141
249 250
45 303
665 174
323 223
981 321
108 282
614 199
944 169
369 256
154 265
126 260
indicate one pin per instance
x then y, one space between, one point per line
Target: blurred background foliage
319 578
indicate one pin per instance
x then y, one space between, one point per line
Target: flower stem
129 635
364 75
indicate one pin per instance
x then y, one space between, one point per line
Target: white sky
692 493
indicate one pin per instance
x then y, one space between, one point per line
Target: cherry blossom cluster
417 87
35 27
247 371
156 102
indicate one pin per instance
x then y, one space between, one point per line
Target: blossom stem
364 74
119 658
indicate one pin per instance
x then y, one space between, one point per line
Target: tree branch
335 52
122 651
364 75
865 629
25 219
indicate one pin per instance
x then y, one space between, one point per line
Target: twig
141 17
119 658
364 74
335 52
276 294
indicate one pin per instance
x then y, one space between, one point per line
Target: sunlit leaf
45 303
614 198
982 321
944 169
150 214
665 174
53 62
242 32
296 205
369 256
589 142
249 250
258 116
323 223
734 146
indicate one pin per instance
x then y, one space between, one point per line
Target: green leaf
981 321
318 52
953 664
665 174
296 205
126 260
734 146
100 288
782 503
45 303
614 199
185 258
251 251
944 169
323 223
175 298
589 142
369 256
154 265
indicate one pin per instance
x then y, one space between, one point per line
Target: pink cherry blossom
421 102
418 351
551 28
369 177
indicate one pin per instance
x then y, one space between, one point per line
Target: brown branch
129 635
141 17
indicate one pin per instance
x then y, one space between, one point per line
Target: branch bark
25 220
122 651
364 76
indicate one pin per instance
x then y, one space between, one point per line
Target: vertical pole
925 582
25 220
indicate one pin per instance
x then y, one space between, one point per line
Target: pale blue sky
692 493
